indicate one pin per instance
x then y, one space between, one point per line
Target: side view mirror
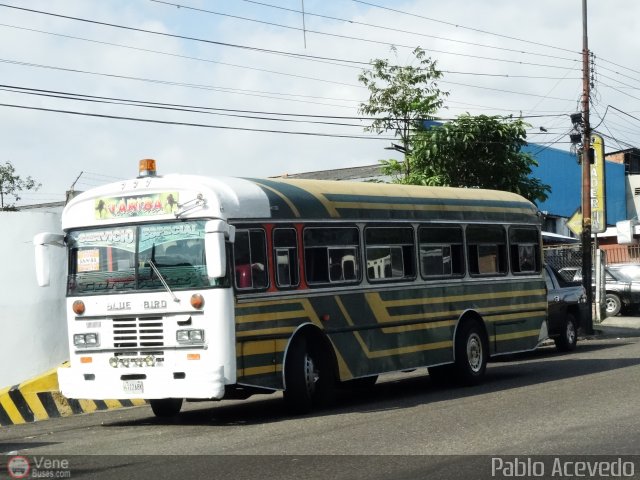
216 233
42 241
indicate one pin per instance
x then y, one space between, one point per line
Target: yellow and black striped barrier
39 399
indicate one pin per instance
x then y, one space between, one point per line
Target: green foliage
401 97
11 185
475 152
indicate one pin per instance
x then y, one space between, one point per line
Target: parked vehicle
566 299
622 285
623 288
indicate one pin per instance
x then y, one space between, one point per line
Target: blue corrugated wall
561 171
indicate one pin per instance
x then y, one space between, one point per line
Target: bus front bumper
141 383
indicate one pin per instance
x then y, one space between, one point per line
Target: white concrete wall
33 331
633 200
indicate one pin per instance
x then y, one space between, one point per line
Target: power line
203 109
623 112
279 52
199 125
168 82
185 37
551 143
619 91
256 112
160 106
618 65
466 28
502 90
353 22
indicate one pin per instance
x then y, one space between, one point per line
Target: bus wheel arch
309 369
470 348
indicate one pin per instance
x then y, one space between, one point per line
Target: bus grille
138 332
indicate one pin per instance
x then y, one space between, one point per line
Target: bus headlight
190 336
86 340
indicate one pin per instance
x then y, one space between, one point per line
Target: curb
40 399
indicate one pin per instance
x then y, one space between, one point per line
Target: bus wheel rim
311 374
474 352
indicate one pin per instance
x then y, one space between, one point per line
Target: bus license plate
133 386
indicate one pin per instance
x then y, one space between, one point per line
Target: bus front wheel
166 407
471 353
309 378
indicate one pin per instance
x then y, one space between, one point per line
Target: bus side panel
382 331
405 328
263 329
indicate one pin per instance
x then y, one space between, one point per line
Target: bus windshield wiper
152 264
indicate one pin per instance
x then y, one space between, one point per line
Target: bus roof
177 196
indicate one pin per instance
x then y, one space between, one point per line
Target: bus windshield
118 259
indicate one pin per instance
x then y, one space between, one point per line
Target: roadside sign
575 223
598 198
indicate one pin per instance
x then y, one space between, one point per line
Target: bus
191 287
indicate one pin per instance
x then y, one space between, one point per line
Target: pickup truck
565 301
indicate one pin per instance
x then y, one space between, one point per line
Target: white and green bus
191 287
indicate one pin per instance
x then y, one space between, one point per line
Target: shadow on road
515 371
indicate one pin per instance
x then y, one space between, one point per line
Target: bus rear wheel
166 407
309 376
471 353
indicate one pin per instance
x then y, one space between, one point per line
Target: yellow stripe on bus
452 298
382 315
262 370
265 331
390 351
425 208
286 200
270 316
512 336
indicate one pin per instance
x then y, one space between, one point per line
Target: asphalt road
542 403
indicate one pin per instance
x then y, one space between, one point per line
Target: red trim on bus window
268 228
303 278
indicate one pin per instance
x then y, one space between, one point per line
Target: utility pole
586 176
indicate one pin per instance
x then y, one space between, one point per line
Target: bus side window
441 251
285 249
390 253
250 259
487 250
524 244
331 255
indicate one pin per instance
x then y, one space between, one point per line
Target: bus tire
166 407
309 376
472 353
568 338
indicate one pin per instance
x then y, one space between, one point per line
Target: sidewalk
618 327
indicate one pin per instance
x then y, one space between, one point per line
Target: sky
227 58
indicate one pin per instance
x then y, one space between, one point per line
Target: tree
476 152
401 97
11 185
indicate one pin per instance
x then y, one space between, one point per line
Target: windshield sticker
158 234
123 238
136 206
89 260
